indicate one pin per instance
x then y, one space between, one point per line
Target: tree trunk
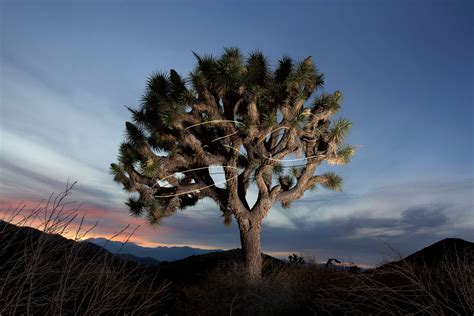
250 240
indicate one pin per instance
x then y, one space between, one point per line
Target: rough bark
250 241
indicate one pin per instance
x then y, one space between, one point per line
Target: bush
43 273
403 288
296 260
284 290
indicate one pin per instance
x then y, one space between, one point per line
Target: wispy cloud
47 137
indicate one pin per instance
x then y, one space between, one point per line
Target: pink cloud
97 222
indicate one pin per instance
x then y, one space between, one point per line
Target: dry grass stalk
41 273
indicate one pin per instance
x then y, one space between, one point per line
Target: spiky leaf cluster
237 112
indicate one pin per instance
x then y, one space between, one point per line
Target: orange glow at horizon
115 226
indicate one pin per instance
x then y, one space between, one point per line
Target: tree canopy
239 113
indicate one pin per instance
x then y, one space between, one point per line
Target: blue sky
405 69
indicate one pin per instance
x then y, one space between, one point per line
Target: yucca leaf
188 97
300 118
118 173
158 83
134 134
135 206
206 64
256 69
319 131
305 77
332 181
203 76
340 129
284 70
278 169
343 155
328 102
296 171
177 85
268 119
149 167
170 113
127 155
229 70
246 125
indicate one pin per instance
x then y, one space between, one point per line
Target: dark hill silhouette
446 250
191 269
140 260
12 239
47 274
194 269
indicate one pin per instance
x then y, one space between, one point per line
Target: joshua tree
330 261
295 259
241 115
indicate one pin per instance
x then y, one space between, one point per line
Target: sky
405 68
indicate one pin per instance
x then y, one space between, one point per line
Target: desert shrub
284 290
45 274
400 289
296 260
403 288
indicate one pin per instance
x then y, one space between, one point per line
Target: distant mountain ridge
134 252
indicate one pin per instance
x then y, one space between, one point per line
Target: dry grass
404 289
45 274
284 290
